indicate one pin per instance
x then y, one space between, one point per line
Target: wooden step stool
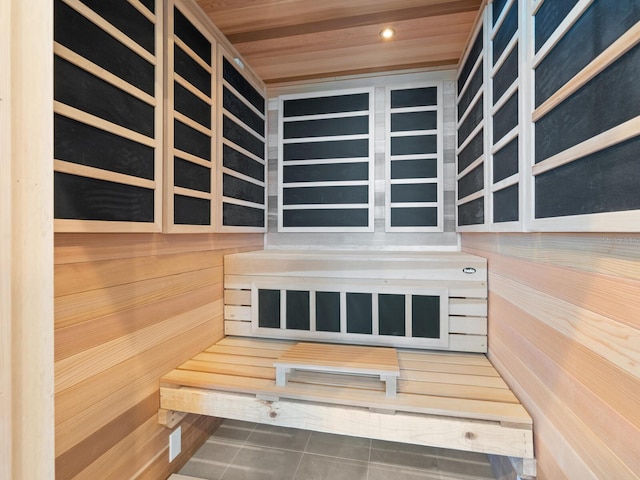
343 359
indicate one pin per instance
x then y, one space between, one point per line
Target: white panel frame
370 159
439 157
343 336
616 221
483 23
520 88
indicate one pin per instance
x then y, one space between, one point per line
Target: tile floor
248 451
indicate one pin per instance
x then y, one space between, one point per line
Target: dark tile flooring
248 451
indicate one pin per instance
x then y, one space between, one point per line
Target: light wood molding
100 174
26 241
617 134
101 73
618 48
86 12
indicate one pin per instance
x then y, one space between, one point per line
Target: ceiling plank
381 18
236 16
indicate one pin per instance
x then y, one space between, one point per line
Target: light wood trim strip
616 50
624 131
187 192
253 156
507 182
192 123
351 421
503 15
74 226
143 10
459 407
244 177
472 103
473 71
194 56
84 117
71 56
471 198
110 29
250 105
99 174
572 17
250 130
472 165
471 136
186 84
192 158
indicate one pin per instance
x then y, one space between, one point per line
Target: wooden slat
83 410
598 456
260 342
234 312
608 295
110 29
340 358
72 370
487 371
101 73
597 412
105 125
419 266
614 136
423 430
83 277
100 174
457 358
473 409
612 340
467 306
253 352
606 254
237 297
456 288
80 307
83 336
87 247
618 48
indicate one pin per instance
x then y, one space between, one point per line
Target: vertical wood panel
26 238
5 242
136 307
581 389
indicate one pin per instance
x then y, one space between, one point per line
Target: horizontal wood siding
128 309
564 333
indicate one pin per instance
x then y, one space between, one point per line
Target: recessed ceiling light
387 33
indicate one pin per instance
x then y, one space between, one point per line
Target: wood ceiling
294 40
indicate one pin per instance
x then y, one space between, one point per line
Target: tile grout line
304 450
238 452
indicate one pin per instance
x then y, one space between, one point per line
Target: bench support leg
390 383
282 374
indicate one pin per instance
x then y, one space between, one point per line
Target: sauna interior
185 182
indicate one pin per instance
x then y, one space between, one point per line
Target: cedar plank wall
564 332
129 308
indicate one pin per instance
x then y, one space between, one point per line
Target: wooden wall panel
26 240
129 308
564 334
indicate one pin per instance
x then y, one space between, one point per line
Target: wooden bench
444 399
341 359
